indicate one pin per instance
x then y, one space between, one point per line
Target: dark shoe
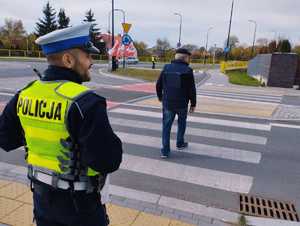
183 146
164 154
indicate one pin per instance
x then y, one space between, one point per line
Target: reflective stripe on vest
43 108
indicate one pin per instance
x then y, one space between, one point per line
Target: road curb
110 75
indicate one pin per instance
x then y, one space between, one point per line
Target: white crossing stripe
6 94
188 174
247 97
252 139
213 121
276 97
194 148
285 125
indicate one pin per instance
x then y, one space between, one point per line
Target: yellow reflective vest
43 109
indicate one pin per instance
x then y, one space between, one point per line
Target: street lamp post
180 27
214 59
254 36
124 20
109 17
206 43
227 45
123 12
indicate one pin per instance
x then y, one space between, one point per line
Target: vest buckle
54 181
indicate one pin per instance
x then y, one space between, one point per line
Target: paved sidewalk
16 210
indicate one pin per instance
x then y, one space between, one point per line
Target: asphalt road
228 155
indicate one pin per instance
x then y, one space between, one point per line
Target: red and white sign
119 50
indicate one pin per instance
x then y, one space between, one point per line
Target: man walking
64 126
176 88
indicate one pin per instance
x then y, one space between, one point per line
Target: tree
63 20
284 46
141 48
48 23
237 53
12 33
202 49
190 47
12 28
273 46
89 17
264 50
162 45
233 41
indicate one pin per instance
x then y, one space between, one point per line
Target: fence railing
233 65
36 54
39 54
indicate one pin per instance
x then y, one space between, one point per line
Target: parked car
132 60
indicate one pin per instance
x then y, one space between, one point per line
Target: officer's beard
82 72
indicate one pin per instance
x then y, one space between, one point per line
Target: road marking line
238 94
194 148
213 121
188 174
286 125
238 100
249 98
7 94
252 139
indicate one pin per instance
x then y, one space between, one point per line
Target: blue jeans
168 118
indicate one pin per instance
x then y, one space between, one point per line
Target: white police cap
68 38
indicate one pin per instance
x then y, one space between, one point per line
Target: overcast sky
154 19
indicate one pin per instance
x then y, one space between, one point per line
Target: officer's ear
68 60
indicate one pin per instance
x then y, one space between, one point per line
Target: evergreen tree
48 23
284 46
63 20
89 17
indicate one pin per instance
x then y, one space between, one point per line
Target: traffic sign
126 27
226 49
126 39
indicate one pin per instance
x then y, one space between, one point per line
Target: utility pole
206 46
113 59
229 30
124 21
254 37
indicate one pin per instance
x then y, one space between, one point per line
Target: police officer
153 59
65 128
176 88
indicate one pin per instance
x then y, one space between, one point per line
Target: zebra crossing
221 150
267 98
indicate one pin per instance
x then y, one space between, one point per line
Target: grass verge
145 74
240 77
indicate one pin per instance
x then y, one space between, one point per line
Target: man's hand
192 109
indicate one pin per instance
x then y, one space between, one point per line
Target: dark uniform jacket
176 86
100 148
